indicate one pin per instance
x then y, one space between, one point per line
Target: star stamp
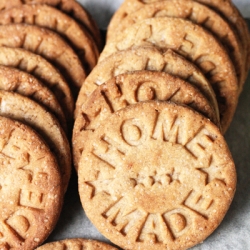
152 178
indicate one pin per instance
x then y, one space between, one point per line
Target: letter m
122 218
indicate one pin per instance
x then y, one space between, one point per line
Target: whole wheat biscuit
196 44
76 243
53 19
152 178
145 59
23 109
199 14
130 88
228 10
25 84
42 70
69 7
31 189
225 7
47 44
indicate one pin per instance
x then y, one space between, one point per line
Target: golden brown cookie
42 70
77 243
197 45
25 110
152 178
130 88
199 14
145 59
25 84
224 7
31 189
48 17
47 44
69 7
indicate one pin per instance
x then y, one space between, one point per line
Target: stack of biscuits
47 48
154 169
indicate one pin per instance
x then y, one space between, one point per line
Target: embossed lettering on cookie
30 187
156 175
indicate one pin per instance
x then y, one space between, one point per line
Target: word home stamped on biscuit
157 174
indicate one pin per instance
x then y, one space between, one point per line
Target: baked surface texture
130 88
31 188
23 109
151 178
76 244
193 42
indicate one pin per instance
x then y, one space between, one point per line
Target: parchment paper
234 231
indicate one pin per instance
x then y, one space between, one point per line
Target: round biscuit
23 109
43 71
76 243
14 80
69 7
156 175
225 8
31 189
47 44
193 42
130 88
199 14
48 17
147 58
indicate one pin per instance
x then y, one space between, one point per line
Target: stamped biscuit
47 44
42 70
228 10
152 178
23 109
224 7
25 84
130 88
196 13
69 7
77 36
145 59
31 190
76 243
196 44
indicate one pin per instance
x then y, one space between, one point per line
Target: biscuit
76 243
145 59
25 84
224 7
47 44
228 10
197 45
31 189
199 14
23 109
42 70
152 178
130 88
69 7
53 19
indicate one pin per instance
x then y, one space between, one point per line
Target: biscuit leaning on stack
77 243
47 49
154 170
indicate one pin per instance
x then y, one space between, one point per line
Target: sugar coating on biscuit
30 187
152 178
130 88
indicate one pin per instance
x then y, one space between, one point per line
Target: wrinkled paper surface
234 231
